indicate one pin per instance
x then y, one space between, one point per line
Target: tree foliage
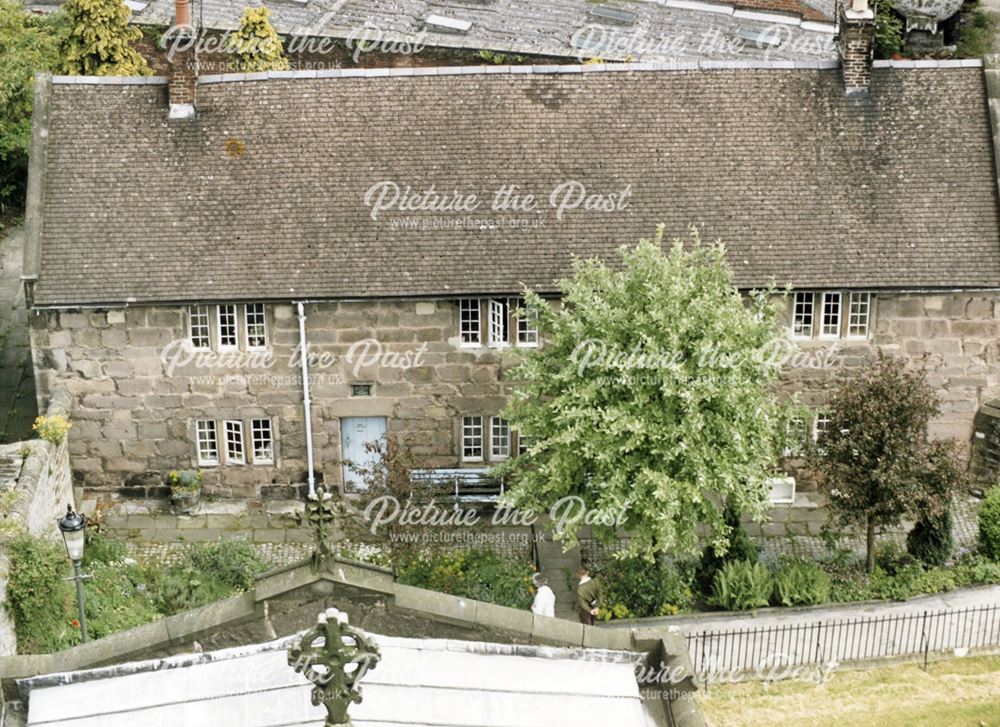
99 42
876 464
28 44
649 400
256 46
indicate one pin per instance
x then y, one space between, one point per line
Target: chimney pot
182 78
856 45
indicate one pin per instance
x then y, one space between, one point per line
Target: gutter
306 400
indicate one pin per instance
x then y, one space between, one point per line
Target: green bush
976 570
741 548
479 574
207 572
637 588
801 584
233 562
989 523
742 585
931 541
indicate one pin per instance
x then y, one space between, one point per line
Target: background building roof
263 196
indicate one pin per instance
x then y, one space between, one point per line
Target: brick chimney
182 78
856 45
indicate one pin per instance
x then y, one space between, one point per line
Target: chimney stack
182 78
856 45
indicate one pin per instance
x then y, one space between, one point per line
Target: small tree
931 541
256 46
874 459
100 40
394 517
650 400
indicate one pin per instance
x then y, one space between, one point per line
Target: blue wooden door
355 433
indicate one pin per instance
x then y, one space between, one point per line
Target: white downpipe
306 401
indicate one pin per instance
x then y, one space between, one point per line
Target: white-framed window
199 331
821 424
499 333
228 327
859 311
256 325
499 438
262 441
523 442
470 322
830 323
527 325
235 453
802 315
796 437
207 442
472 439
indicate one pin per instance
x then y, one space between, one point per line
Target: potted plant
185 489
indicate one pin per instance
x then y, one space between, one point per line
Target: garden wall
39 473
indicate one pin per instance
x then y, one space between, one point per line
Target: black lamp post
71 526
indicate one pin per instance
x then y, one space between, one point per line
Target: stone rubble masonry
132 422
44 486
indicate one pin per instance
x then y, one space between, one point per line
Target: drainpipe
306 401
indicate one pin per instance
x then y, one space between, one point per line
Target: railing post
926 639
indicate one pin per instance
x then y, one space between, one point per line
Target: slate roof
262 197
664 29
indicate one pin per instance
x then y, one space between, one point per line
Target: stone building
179 254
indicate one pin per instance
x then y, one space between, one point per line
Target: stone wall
43 485
134 413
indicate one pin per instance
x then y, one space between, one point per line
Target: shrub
976 570
52 428
232 562
636 588
801 584
931 541
185 481
909 581
741 548
989 523
742 585
480 574
207 572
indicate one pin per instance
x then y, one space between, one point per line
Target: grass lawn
953 693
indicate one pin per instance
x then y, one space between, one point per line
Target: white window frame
258 442
238 454
255 309
471 306
230 307
828 297
206 441
199 318
472 431
499 432
864 302
527 326
800 298
523 443
499 323
821 416
796 435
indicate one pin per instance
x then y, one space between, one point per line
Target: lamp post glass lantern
72 527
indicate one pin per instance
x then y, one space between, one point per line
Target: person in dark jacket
588 597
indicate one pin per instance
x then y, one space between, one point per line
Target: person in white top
545 599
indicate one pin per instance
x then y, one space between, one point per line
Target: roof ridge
500 70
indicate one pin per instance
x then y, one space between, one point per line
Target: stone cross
334 656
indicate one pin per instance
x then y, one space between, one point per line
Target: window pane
796 437
499 313
527 325
256 326
472 438
208 442
802 316
831 315
198 326
228 331
469 321
234 443
499 438
860 307
821 425
262 441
